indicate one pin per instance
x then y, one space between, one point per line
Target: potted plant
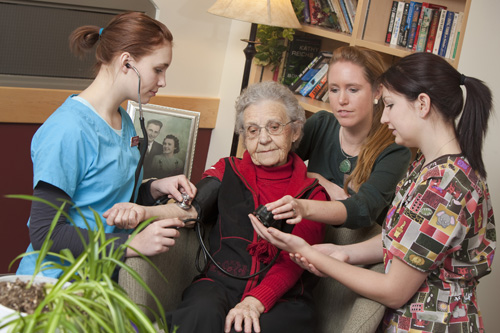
85 298
272 41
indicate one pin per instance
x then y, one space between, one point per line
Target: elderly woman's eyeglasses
272 127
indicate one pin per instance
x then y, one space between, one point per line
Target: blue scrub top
78 152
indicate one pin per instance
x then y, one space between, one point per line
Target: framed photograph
171 139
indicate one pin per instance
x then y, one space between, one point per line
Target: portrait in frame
171 139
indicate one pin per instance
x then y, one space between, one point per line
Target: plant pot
5 311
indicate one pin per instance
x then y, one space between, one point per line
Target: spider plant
85 297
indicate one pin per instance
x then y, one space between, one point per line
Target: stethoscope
142 148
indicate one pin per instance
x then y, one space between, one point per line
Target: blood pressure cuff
206 198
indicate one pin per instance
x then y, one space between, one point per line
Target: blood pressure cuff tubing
206 198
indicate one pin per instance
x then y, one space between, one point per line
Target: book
303 75
340 15
433 26
322 91
413 25
405 27
307 17
390 25
321 83
456 38
397 23
346 16
301 51
445 38
314 80
439 31
351 10
313 11
424 29
419 24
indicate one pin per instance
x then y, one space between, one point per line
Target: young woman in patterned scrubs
439 236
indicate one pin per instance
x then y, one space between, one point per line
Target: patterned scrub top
441 222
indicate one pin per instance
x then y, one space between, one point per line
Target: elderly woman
270 121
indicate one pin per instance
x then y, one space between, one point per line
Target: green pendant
345 166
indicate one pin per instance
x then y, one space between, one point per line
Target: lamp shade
278 13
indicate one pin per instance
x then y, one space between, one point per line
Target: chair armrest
177 265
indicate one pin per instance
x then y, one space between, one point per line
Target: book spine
424 30
318 87
431 37
390 25
312 83
307 17
439 31
346 15
313 12
407 22
414 21
453 33
350 10
322 92
397 23
457 37
445 39
419 25
340 15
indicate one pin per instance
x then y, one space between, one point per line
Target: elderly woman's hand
125 215
245 316
282 240
287 208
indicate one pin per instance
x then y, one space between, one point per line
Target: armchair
339 309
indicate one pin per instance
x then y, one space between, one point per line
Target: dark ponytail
430 74
471 128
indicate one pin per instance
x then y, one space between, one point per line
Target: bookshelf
369 30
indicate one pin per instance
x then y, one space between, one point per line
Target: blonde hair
379 137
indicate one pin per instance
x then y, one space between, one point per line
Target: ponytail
473 124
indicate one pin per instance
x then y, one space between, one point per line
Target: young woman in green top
352 154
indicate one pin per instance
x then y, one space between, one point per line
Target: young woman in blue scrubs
85 151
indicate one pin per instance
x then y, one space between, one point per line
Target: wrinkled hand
173 187
334 191
282 240
287 208
245 315
332 250
156 238
125 215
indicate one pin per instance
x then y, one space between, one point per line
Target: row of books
424 27
312 81
334 14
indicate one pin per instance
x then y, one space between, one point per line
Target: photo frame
174 132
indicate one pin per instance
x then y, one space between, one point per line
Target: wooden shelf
369 30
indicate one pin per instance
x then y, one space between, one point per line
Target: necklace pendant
345 166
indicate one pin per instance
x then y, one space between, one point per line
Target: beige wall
480 58
208 61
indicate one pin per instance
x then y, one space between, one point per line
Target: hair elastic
462 79
100 31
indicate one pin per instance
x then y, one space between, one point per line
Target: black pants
206 303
